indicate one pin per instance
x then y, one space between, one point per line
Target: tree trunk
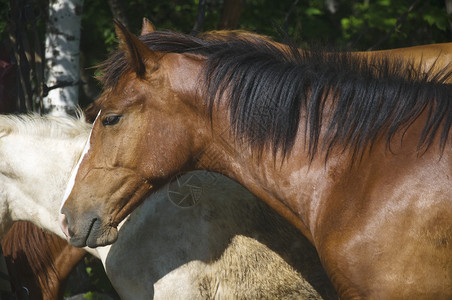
231 14
332 5
197 28
448 4
118 12
62 50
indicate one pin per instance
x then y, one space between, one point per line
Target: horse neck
288 184
34 171
279 181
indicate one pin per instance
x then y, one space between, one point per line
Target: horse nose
64 225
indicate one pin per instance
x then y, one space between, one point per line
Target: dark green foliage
355 25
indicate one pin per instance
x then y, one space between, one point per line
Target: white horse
216 247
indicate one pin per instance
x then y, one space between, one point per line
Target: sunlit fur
269 86
17 134
45 126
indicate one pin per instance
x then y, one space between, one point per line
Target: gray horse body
228 245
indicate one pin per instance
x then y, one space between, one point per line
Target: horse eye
111 120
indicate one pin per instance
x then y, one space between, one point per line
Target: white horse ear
136 51
147 27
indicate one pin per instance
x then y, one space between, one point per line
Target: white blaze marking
74 172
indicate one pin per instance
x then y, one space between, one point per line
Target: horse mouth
96 235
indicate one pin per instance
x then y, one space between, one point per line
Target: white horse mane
45 126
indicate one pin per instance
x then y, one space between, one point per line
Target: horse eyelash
111 120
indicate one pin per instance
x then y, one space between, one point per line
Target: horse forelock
44 126
266 88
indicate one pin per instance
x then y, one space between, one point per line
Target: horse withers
352 151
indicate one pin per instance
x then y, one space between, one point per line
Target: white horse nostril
64 225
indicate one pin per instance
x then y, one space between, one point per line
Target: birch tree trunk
62 52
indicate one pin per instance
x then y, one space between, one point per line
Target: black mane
269 87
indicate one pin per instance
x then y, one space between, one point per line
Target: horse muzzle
89 231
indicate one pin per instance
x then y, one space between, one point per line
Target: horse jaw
87 223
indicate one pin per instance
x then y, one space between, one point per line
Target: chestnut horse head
136 81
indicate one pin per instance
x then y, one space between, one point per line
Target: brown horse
38 262
355 152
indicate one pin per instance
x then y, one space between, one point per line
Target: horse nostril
64 226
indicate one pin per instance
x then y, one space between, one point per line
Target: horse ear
147 27
135 50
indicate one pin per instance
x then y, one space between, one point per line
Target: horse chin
109 236
99 235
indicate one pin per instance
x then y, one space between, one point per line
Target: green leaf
312 11
89 296
384 2
437 19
